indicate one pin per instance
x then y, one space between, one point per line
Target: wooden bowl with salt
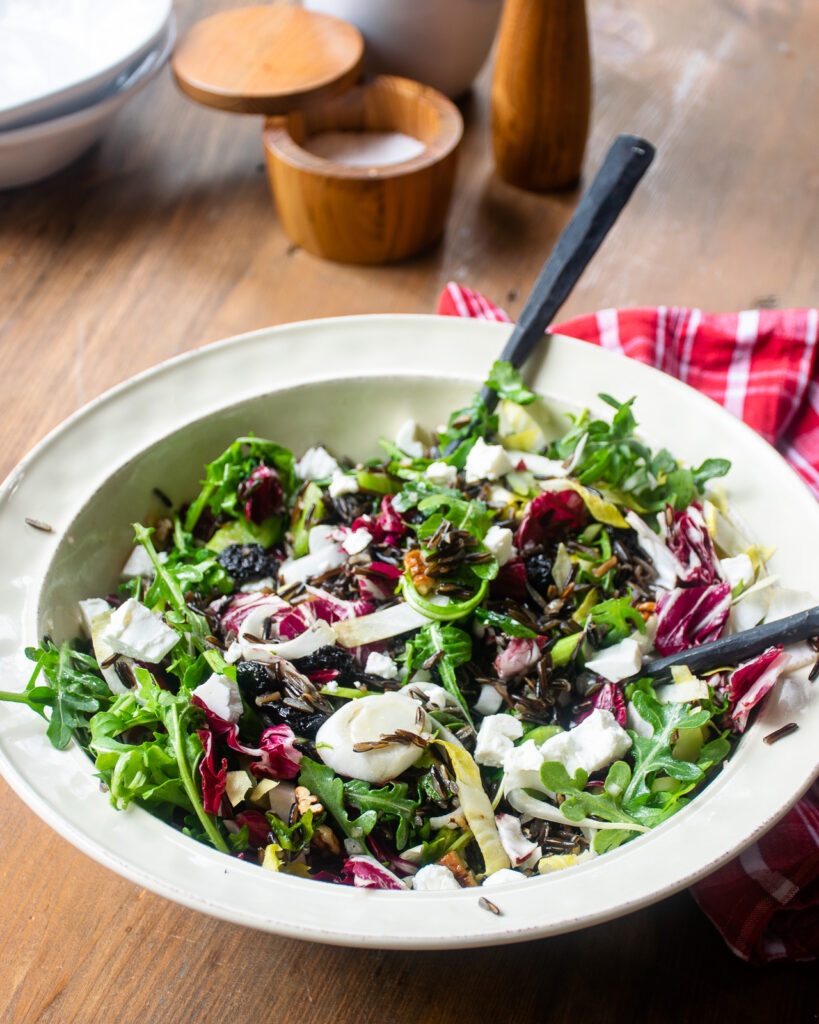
367 176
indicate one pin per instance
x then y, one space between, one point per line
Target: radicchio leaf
547 516
279 759
751 681
262 494
257 826
387 527
213 779
690 616
367 873
690 541
510 581
377 582
608 698
234 612
518 656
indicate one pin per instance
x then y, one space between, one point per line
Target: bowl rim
281 145
363 917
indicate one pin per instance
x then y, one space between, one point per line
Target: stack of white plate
67 67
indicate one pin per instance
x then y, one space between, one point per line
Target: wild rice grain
486 904
779 734
38 524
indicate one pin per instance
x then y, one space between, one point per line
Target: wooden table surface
164 239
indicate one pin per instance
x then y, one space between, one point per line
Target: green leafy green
391 801
619 616
448 840
74 690
293 838
508 383
224 475
323 782
613 457
455 647
505 623
581 803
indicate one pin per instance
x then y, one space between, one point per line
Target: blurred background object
66 69
541 93
442 43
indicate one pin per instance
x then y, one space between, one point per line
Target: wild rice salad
421 672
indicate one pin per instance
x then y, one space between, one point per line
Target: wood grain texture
363 214
267 59
541 93
163 239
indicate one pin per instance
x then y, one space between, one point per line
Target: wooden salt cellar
541 93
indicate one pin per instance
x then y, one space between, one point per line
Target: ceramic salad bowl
347 382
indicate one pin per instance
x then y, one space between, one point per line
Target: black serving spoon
626 162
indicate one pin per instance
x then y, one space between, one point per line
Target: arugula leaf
456 648
505 623
415 491
74 690
508 383
323 782
296 837
581 803
652 755
606 839
463 514
391 801
613 457
448 840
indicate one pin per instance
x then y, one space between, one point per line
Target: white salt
364 149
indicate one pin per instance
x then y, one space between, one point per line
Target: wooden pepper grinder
541 93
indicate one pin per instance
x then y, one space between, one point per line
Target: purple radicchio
751 681
510 581
547 516
367 873
257 827
387 527
518 656
213 779
690 616
689 540
376 581
262 494
608 698
279 758
276 757
232 613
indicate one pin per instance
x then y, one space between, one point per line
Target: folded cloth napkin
760 365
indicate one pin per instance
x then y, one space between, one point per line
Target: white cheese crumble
496 738
441 474
489 701
502 877
356 541
487 462
381 665
593 745
221 696
316 464
407 439
136 632
498 541
434 878
617 662
139 564
739 569
343 483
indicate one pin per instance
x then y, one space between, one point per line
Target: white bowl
32 153
348 381
59 55
442 44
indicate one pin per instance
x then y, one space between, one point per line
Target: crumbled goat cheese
381 665
407 439
498 541
136 632
434 878
617 662
221 696
343 483
487 462
316 464
496 739
594 744
441 474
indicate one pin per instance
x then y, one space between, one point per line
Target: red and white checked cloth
761 365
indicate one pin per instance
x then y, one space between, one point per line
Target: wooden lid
267 60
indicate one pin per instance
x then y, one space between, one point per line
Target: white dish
32 153
59 55
347 381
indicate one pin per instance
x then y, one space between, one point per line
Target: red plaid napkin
761 366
